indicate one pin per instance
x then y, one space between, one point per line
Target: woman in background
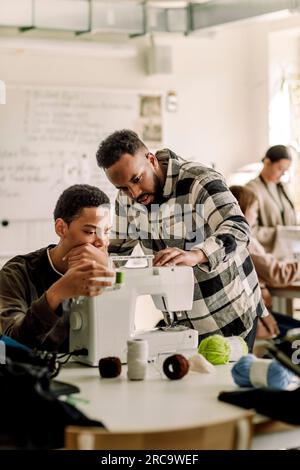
275 206
270 271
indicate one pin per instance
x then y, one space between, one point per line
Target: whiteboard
49 137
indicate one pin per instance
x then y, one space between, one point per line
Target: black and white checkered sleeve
229 229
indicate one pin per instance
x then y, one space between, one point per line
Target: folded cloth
279 405
32 417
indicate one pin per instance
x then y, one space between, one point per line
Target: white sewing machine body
103 324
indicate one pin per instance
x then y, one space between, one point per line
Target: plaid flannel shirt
227 296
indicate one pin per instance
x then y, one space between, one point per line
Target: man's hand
79 280
176 256
267 328
271 324
267 298
85 253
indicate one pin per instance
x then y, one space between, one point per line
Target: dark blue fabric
285 323
32 417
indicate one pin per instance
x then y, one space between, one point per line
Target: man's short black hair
77 197
115 145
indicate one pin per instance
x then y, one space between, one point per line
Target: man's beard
157 193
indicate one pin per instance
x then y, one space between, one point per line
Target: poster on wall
150 120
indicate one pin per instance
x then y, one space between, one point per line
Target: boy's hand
79 280
85 253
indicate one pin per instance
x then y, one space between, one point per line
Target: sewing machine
103 324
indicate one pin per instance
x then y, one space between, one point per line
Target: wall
258 75
220 79
284 68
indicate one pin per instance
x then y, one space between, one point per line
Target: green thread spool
120 276
220 350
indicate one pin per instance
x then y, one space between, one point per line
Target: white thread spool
137 359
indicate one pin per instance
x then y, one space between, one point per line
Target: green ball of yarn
220 350
215 349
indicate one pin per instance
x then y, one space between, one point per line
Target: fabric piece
276 404
270 270
32 417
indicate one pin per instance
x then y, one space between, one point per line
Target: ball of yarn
220 350
176 366
110 367
251 371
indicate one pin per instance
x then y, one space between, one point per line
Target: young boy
36 288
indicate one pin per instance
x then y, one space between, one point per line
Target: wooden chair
233 434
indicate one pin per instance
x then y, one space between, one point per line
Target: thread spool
176 366
137 359
220 350
251 371
120 277
110 367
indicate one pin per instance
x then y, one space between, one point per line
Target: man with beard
184 213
